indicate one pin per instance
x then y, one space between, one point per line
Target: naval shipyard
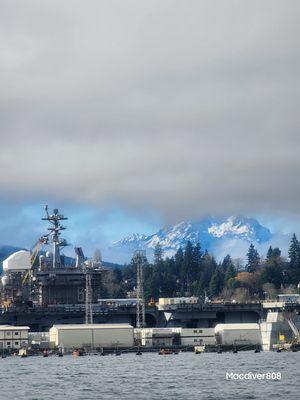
40 289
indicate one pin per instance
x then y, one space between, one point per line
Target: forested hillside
193 271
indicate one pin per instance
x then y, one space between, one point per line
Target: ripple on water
185 376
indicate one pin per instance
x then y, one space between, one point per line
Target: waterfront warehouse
238 334
92 335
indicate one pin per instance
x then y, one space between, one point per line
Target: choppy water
150 376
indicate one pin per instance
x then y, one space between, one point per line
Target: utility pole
88 293
139 258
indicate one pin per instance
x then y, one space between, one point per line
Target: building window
8 333
8 343
16 343
195 331
16 333
200 330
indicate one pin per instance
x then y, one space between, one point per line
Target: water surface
150 376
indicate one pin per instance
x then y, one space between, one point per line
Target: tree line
194 272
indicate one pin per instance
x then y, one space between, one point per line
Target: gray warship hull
192 316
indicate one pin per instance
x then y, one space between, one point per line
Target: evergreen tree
188 265
273 253
276 252
294 250
294 265
227 261
208 267
168 283
228 269
178 266
197 259
152 283
272 273
171 273
270 253
252 259
158 254
178 261
216 283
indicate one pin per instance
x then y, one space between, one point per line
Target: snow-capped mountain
212 233
133 238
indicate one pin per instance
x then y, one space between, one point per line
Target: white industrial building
166 337
160 337
13 337
197 336
91 336
238 334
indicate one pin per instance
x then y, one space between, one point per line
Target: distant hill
108 264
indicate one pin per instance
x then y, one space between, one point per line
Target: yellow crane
34 253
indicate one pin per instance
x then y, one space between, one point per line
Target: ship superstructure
43 278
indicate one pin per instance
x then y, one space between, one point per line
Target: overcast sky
190 108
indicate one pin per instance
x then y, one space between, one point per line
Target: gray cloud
187 107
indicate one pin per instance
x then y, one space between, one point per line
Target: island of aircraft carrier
40 289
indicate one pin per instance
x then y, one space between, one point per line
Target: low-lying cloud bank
189 108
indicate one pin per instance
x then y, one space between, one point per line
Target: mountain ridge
209 232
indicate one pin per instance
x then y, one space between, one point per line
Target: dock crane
34 253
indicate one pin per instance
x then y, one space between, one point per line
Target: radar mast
53 237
